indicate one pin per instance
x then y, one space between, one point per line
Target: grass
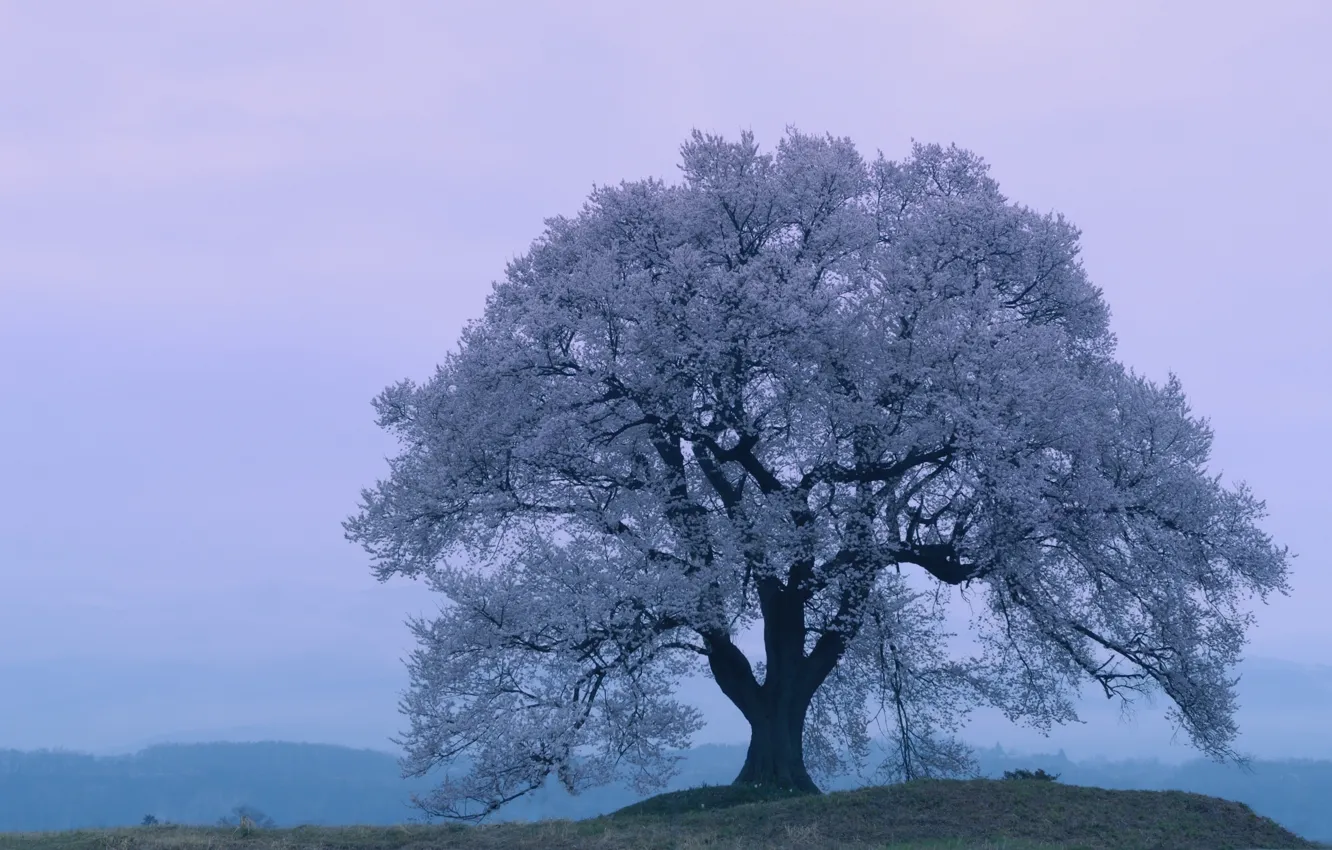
977 814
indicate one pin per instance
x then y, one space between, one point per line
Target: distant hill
119 707
329 785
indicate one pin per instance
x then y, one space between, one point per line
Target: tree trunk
775 709
776 755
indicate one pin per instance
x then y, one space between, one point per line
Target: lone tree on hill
776 390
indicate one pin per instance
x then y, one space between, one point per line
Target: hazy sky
225 226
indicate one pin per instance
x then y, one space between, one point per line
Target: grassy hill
934 814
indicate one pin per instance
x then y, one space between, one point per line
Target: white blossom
762 394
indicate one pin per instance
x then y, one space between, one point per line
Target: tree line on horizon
285 784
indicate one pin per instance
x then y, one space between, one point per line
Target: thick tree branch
732 671
939 560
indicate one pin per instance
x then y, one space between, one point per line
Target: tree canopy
771 392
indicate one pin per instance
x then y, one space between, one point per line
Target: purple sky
225 226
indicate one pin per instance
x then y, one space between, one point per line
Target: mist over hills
330 785
103 744
114 707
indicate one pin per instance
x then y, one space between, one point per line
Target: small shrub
1027 774
247 819
148 820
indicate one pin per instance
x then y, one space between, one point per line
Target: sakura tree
774 391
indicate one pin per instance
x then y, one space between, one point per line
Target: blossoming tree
771 392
